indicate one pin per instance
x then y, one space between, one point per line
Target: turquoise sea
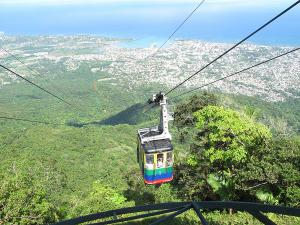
151 23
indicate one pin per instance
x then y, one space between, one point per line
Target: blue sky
220 20
210 4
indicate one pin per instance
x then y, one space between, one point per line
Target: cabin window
149 159
169 159
160 160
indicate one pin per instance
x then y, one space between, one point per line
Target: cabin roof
148 132
157 146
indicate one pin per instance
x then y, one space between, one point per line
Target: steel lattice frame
171 210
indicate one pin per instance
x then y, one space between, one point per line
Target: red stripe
159 181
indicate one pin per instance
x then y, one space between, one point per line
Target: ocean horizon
150 24
146 42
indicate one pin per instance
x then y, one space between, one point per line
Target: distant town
137 66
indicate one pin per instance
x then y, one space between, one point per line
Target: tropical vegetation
69 162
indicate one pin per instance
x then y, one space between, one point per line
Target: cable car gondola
155 150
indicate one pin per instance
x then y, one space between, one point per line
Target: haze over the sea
153 21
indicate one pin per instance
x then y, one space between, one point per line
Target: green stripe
158 171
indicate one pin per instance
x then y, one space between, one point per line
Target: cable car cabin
154 150
155 158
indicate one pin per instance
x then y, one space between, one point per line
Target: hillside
78 156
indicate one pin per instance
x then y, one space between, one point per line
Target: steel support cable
24 64
169 38
34 71
20 61
234 46
30 82
236 73
30 121
78 110
177 28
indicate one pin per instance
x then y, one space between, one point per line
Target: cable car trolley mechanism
155 150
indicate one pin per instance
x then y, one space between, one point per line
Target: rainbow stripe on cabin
158 176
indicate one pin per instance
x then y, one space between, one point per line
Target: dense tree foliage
24 200
183 115
184 119
101 197
86 162
227 137
232 157
274 171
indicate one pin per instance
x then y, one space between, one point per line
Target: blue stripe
158 176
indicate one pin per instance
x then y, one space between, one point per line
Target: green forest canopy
223 151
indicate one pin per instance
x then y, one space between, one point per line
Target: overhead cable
37 73
234 46
177 28
30 121
20 61
236 73
41 88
